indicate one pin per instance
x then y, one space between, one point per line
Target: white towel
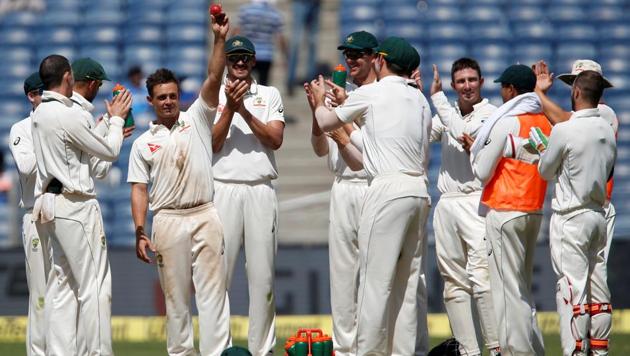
521 104
44 208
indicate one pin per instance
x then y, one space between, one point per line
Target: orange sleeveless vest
516 185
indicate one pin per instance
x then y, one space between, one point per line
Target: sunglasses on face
354 55
235 58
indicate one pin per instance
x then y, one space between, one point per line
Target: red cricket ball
215 9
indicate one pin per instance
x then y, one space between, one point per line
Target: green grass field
620 345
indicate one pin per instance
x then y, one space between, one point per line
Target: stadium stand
155 33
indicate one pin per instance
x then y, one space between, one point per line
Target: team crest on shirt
160 260
40 303
17 140
154 147
259 102
35 244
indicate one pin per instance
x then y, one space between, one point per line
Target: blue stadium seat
446 50
615 31
61 18
359 13
525 13
614 64
569 3
483 50
12 88
373 27
15 108
186 53
575 50
17 36
187 16
139 54
99 35
18 71
563 13
402 12
531 52
491 31
577 32
447 32
614 50
350 3
63 5
20 19
108 16
143 34
598 13
151 16
443 13
621 81
62 35
533 31
186 34
109 53
16 54
66 51
493 65
412 31
187 68
491 14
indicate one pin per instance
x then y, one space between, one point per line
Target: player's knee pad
574 318
601 322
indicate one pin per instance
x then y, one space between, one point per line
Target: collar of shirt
155 127
394 79
79 99
48 95
585 113
253 87
476 107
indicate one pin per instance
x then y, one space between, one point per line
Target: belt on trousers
185 211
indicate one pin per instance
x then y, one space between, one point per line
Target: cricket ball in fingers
215 9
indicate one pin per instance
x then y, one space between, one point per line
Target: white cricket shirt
21 145
337 165
395 121
243 158
448 125
177 163
64 144
580 155
99 168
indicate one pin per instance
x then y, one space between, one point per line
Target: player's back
396 127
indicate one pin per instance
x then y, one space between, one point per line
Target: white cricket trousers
392 251
249 213
610 214
578 240
511 238
463 263
189 244
38 261
346 200
79 289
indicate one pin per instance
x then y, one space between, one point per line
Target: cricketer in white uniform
395 122
66 208
249 126
557 114
343 148
459 230
512 201
579 157
36 250
88 76
174 157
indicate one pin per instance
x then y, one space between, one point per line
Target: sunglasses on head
355 54
235 58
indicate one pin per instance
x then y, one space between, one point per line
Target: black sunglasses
235 58
356 54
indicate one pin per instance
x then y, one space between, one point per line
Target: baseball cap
519 75
581 65
359 40
88 69
239 44
33 82
397 50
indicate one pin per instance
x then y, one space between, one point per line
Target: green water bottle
300 348
129 119
339 75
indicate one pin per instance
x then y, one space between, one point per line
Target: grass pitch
620 345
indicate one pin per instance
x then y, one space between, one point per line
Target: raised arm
544 80
318 138
216 63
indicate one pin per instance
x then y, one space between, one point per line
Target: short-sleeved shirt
177 163
260 23
395 121
243 158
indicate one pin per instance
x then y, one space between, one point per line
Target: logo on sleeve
487 142
154 147
17 140
281 109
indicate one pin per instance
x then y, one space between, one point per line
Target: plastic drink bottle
339 75
129 119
